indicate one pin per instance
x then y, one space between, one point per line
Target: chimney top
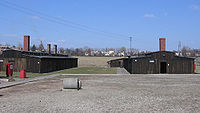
49 48
162 44
26 42
55 49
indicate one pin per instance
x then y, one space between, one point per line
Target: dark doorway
163 67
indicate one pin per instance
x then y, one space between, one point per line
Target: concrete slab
122 71
4 80
10 84
21 81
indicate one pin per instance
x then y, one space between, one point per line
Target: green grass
80 70
90 70
28 75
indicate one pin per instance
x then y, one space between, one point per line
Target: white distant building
111 52
106 53
121 54
4 48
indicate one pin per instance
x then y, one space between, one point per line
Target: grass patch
87 65
28 75
90 70
84 61
80 70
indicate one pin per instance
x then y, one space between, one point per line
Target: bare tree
62 50
111 49
85 48
7 44
123 49
186 51
41 47
14 46
33 48
79 52
19 46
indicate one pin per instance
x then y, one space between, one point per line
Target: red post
195 67
9 69
22 74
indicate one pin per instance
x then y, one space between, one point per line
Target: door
163 67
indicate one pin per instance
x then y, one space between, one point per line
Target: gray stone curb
26 81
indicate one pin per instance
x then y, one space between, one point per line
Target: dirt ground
112 94
94 61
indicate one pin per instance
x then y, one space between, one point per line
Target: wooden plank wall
116 63
127 64
177 65
50 64
18 63
35 64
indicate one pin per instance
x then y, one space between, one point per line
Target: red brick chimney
162 44
26 43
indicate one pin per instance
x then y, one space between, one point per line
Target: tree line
87 51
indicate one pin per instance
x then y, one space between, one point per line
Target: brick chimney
26 43
49 48
55 49
162 44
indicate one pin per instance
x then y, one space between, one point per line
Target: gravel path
110 94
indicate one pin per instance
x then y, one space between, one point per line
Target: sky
101 23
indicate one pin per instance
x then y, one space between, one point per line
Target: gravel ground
117 94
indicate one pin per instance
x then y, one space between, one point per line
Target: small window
151 61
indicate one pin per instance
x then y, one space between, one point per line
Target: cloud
35 17
149 15
57 42
165 14
39 38
8 35
195 7
60 17
36 40
61 41
52 43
